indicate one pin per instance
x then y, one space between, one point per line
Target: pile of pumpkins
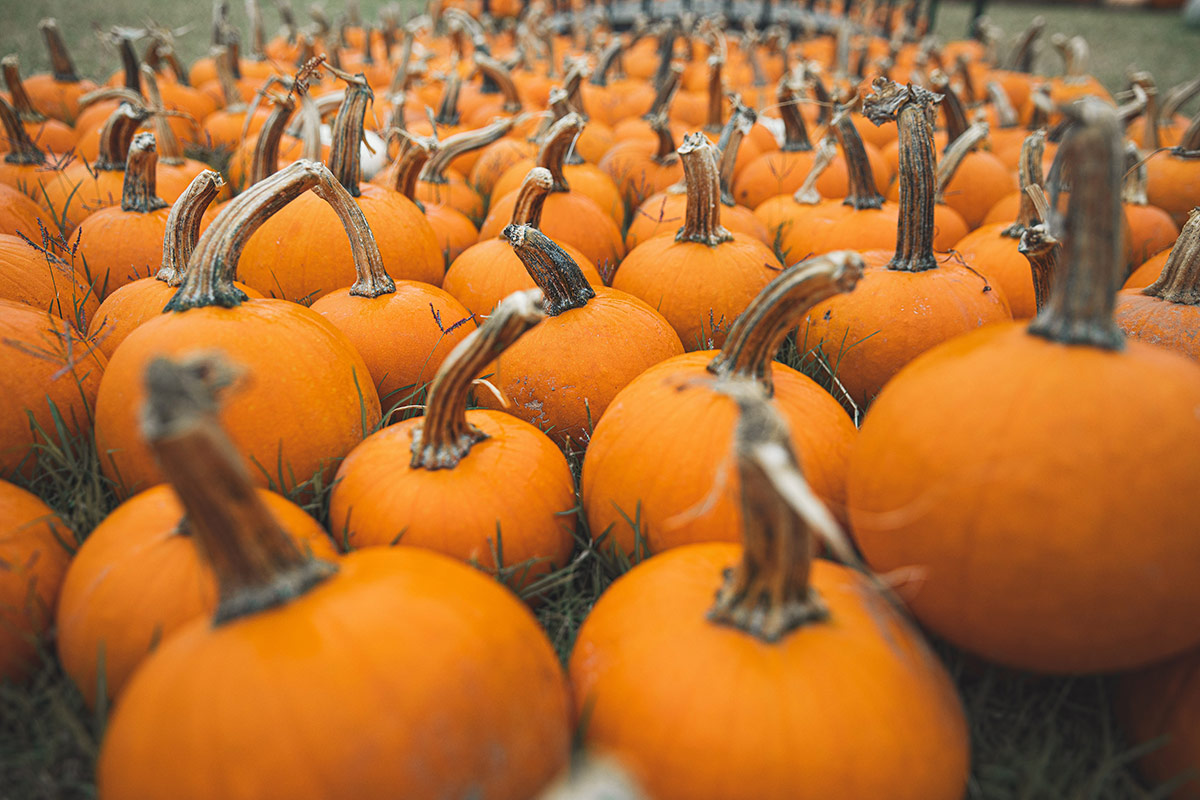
578 251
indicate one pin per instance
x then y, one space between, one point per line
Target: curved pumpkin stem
759 331
531 197
1133 187
666 92
716 92
61 64
1006 115
826 151
454 146
345 155
666 152
1177 96
1145 81
1081 303
11 66
956 153
1180 278
168 144
496 72
447 113
558 276
1189 143
605 61
22 150
265 160
256 564
183 225
911 107
1021 58
741 122
414 154
702 220
767 594
1029 171
139 190
1042 251
221 57
116 136
556 146
952 109
863 192
795 133
445 436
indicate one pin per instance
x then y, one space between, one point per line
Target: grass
1031 737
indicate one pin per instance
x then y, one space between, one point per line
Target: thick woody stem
138 193
61 64
265 160
952 109
183 225
572 84
21 149
129 62
608 57
558 276
454 146
962 67
826 151
1145 81
1133 187
1177 96
702 220
1081 303
863 192
556 146
825 102
414 154
1189 143
495 71
716 93
759 331
795 132
1042 251
21 101
1006 115
445 436
447 113
768 593
116 136
661 126
1180 278
258 38
560 106
256 564
229 88
170 151
666 93
400 76
956 153
912 109
531 197
741 122
666 54
345 155
1029 171
1021 58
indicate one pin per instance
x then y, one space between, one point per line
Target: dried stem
116 136
863 193
21 149
1180 278
702 220
531 197
454 146
1029 170
139 191
558 276
556 146
61 65
795 133
183 225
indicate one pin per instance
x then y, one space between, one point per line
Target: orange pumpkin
439 472
51 135
302 362
1150 229
1167 313
24 165
781 624
34 554
673 414
57 92
415 626
954 473
41 278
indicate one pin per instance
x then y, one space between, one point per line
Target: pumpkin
301 253
139 577
175 171
430 481
642 168
782 623
564 373
438 186
24 165
39 277
1150 229
49 377
724 272
57 92
1035 556
414 626
487 272
673 415
804 214
609 98
907 304
303 361
1157 708
33 550
50 134
1167 313
225 127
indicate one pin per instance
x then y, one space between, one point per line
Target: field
1032 737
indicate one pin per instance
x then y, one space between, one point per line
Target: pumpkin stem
183 225
1042 251
129 63
256 564
912 109
759 331
171 151
558 276
445 436
560 106
956 153
1177 96
604 63
952 109
716 92
454 146
1029 171
767 594
447 113
1145 81
661 125
702 220
1133 187
962 68
556 146
22 150
1180 278
229 89
1080 307
400 77
1075 54
741 122
265 160
258 38
795 133
666 93
1006 115
1189 143
61 64
826 151
138 192
572 84
1021 58
21 101
863 193
496 72
208 279
345 156
531 197
116 136
415 152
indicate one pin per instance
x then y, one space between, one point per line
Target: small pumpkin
58 91
1167 312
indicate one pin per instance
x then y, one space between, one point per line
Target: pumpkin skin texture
43 282
138 578
401 618
1167 313
1165 700
820 687
34 561
992 516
